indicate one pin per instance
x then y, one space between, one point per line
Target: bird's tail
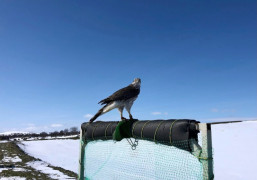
100 112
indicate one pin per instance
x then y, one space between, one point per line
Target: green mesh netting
112 160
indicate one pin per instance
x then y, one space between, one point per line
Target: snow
43 167
62 153
39 138
13 178
19 169
234 148
2 169
13 132
61 137
11 159
13 169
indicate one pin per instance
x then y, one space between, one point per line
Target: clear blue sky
196 59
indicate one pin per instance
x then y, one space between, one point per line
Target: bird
123 98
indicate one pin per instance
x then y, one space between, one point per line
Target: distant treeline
65 132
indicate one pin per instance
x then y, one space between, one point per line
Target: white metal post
206 155
82 156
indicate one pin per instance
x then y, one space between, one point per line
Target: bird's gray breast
130 101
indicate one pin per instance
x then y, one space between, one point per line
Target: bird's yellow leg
121 116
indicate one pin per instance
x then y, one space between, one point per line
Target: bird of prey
124 97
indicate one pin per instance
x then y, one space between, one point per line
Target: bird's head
137 82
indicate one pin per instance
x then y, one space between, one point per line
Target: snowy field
234 147
235 150
62 153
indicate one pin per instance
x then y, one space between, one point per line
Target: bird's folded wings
122 94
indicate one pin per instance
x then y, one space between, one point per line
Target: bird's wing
122 94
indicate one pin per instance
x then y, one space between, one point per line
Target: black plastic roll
166 131
99 130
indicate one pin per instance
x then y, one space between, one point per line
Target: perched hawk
120 99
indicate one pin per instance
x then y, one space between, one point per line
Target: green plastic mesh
111 160
207 162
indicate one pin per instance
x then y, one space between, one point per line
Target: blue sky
196 59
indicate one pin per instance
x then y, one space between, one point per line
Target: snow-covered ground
11 159
62 153
234 147
48 138
39 138
13 132
13 178
235 150
43 167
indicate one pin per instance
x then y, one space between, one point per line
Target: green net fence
116 160
145 159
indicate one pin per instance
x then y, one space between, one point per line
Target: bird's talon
123 119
